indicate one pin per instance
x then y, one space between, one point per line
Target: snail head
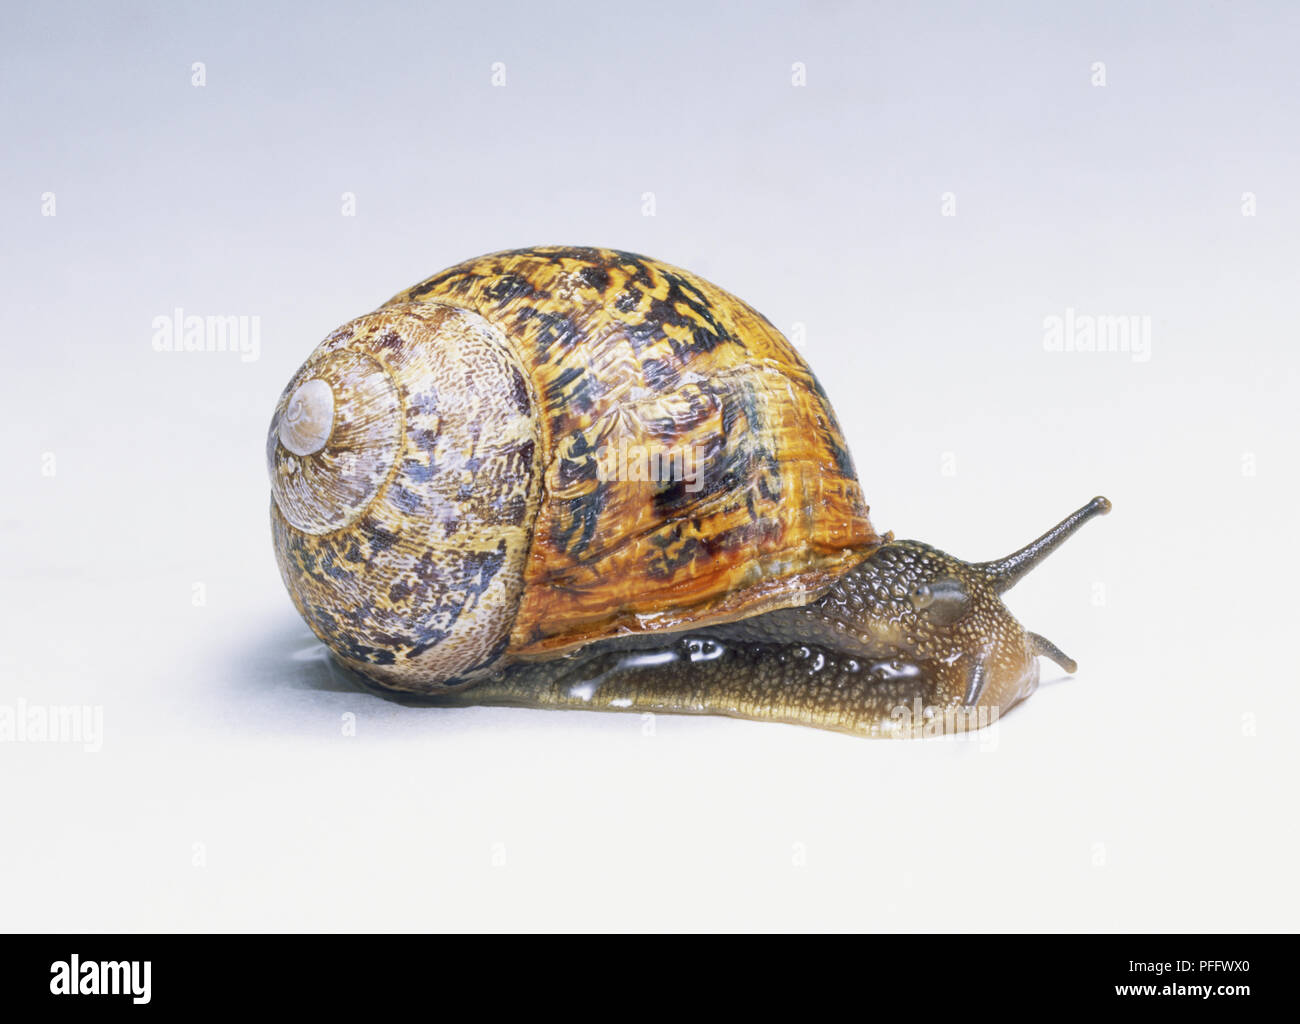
953 614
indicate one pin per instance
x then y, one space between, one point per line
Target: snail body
577 477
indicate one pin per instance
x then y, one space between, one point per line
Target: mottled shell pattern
545 447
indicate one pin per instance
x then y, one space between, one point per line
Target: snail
574 477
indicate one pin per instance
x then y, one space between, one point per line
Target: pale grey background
1154 791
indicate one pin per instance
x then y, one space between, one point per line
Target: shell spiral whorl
324 483
309 419
402 524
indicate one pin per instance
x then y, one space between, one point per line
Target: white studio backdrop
931 199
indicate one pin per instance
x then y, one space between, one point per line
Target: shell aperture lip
308 420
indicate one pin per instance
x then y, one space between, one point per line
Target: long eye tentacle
1005 573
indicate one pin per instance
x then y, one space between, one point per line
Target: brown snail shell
438 502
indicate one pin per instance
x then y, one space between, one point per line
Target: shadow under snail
579 478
